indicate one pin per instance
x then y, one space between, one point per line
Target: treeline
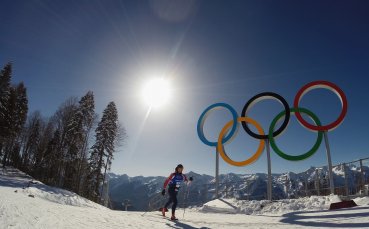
60 150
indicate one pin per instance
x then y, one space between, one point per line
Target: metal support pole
317 181
217 174
362 174
306 186
331 182
346 181
269 189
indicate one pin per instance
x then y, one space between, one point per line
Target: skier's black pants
172 199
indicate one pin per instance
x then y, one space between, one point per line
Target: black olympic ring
263 96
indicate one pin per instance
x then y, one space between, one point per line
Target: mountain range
144 193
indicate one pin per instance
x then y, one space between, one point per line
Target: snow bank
24 184
362 200
265 207
59 196
219 206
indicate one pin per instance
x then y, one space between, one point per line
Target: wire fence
351 179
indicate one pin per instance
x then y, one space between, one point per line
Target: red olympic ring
325 85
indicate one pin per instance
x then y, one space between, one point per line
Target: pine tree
87 114
5 77
78 133
103 149
13 113
14 119
21 108
56 151
9 129
18 109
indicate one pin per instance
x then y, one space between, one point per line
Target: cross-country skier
173 182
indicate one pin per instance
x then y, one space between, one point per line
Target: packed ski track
26 203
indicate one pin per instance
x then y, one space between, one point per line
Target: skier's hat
179 166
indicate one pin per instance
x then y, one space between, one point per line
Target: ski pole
186 197
157 201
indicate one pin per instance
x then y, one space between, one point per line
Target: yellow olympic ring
254 157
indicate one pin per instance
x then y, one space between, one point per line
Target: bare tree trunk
81 163
102 190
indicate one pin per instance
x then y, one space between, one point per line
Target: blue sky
212 51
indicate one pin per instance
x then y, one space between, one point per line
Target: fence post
206 192
346 180
362 175
226 190
248 189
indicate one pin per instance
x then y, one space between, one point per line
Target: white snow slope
57 208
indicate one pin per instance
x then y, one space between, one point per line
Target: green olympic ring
293 157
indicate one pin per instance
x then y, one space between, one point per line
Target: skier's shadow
179 225
304 219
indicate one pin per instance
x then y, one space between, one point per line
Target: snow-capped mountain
141 191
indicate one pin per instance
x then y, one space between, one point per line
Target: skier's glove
191 179
163 192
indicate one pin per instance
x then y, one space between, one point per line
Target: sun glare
156 92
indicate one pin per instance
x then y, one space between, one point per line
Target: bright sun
156 92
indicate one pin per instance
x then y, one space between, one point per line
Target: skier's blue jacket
174 181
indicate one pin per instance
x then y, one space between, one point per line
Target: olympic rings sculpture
225 135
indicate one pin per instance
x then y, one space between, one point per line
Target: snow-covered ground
265 207
41 206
